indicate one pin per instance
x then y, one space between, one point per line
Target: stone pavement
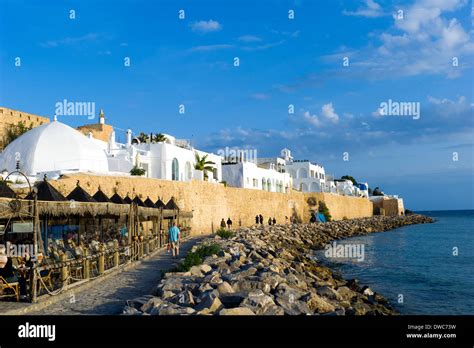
109 296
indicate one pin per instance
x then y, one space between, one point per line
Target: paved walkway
109 296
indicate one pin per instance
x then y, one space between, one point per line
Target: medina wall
211 202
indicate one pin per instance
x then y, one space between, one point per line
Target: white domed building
54 148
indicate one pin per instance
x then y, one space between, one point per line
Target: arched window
304 187
189 171
314 187
302 173
175 170
264 184
269 185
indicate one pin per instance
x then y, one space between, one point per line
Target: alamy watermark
345 251
69 108
235 155
20 250
394 108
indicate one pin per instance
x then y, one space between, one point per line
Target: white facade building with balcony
265 176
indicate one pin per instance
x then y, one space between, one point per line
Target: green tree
377 192
203 164
348 177
323 209
14 131
137 171
158 138
143 137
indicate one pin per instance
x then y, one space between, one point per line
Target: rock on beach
268 270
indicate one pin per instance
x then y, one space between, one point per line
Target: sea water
420 269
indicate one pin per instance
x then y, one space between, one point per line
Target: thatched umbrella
171 205
138 201
159 203
100 196
79 195
117 199
6 191
46 192
149 203
127 199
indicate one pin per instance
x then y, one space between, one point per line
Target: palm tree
143 137
159 138
203 164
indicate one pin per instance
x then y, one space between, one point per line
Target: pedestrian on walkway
222 223
174 237
229 223
260 217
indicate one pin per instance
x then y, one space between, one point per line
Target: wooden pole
33 281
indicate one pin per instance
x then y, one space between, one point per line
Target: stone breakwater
268 270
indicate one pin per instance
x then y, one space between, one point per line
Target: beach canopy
46 192
6 191
100 196
159 203
321 217
149 203
117 199
127 200
171 205
138 201
79 195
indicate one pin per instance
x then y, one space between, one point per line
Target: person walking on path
229 223
260 217
274 221
222 223
270 221
257 219
174 237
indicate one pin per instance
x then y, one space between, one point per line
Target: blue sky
403 56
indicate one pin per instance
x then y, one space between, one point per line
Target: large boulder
171 309
328 292
236 311
317 304
225 288
210 302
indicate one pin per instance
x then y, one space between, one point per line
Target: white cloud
206 26
424 41
328 112
312 119
206 48
377 113
371 9
450 108
71 40
249 38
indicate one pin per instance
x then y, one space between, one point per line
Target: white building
251 175
172 159
56 148
53 148
307 176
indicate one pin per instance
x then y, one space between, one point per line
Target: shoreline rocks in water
268 270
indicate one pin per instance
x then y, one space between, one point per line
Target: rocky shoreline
269 270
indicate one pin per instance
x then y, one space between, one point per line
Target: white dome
54 147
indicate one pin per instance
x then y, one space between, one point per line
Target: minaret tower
101 117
